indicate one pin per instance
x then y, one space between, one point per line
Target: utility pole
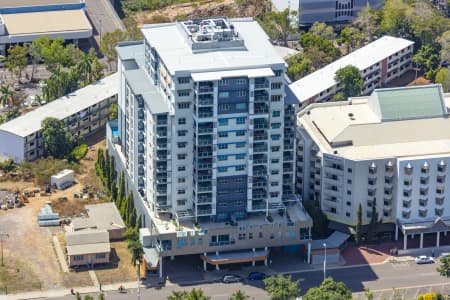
138 279
2 235
325 261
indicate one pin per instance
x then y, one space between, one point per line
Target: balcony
259 184
161 192
204 166
205 101
203 130
204 199
259 205
261 125
260 137
260 148
259 196
204 154
204 142
203 189
204 211
208 114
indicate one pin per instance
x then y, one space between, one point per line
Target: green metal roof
410 103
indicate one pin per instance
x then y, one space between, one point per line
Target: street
407 278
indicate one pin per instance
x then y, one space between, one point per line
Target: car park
256 276
420 260
230 278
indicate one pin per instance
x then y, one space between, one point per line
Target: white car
424 260
42 84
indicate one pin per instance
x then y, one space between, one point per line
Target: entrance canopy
151 257
430 226
236 257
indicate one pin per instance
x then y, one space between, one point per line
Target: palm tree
85 68
239 295
137 252
197 295
178 295
7 95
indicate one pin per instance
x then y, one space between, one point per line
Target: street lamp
138 279
2 235
325 261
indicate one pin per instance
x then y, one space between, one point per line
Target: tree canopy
58 142
282 288
329 290
350 79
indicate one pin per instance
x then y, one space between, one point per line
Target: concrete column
396 232
445 233
412 236
438 237
254 262
217 267
160 266
405 241
421 241
265 261
309 253
204 262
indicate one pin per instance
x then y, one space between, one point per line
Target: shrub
430 296
7 165
78 152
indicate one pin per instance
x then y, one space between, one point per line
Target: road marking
409 287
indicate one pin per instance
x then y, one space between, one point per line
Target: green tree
396 18
138 222
136 250
323 30
367 23
73 55
197 294
101 296
358 225
108 45
317 43
113 112
17 60
34 52
88 297
280 25
53 52
7 95
368 293
320 220
61 83
444 42
350 79
282 288
57 141
427 60
121 189
239 295
178 295
131 234
444 267
299 66
372 228
351 38
329 290
442 77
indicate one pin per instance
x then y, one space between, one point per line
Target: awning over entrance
151 257
431 226
236 257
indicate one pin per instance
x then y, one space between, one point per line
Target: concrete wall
11 146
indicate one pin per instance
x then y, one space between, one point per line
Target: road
407 278
103 16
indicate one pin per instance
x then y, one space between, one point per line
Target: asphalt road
102 16
407 278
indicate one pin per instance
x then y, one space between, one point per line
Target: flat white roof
250 73
46 22
177 56
64 107
322 79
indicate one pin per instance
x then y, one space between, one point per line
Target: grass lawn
17 276
120 269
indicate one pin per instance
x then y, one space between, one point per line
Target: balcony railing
202 189
205 89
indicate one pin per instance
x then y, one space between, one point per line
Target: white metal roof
250 73
322 79
177 56
64 107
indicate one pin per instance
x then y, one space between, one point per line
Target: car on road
420 260
256 276
230 278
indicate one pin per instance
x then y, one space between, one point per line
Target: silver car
424 260
231 278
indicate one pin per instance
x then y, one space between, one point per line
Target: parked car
17 86
256 276
231 278
424 260
42 84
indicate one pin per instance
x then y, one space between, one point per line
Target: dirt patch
120 269
17 275
208 8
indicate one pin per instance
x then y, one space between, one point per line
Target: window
274 183
224 107
184 93
240 120
260 235
224 82
223 146
349 170
181 191
182 156
275 98
223 204
274 172
184 105
181 121
275 137
347 214
275 160
349 181
241 106
240 145
241 236
181 180
182 145
78 257
240 156
275 125
250 235
182 132
222 169
223 122
240 168
278 73
184 80
223 134
275 148
241 81
239 203
276 113
182 168
240 133
349 192
222 157
241 93
276 85
100 255
224 94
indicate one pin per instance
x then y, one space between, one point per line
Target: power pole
2 235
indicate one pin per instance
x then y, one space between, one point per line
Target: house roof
105 216
87 242
82 223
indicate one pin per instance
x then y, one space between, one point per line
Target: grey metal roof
141 84
87 242
105 216
131 51
335 240
151 256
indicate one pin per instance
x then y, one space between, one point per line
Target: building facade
379 62
206 136
333 11
84 112
387 151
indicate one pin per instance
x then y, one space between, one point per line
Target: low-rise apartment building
389 150
84 111
205 136
379 62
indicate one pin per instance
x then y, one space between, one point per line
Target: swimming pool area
115 132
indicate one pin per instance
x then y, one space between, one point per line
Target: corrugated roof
64 107
322 79
87 242
105 216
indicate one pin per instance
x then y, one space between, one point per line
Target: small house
88 247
